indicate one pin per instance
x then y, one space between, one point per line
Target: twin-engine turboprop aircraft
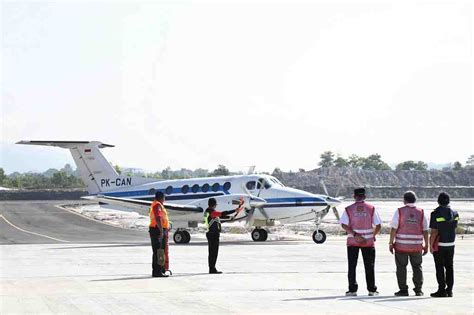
266 199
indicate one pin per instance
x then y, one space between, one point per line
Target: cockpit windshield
263 183
276 181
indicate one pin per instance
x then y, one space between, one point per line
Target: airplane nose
256 202
333 202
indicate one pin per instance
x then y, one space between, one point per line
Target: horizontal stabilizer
65 144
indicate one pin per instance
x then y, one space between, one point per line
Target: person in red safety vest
212 219
409 227
359 220
158 229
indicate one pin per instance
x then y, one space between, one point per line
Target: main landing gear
259 235
181 237
319 236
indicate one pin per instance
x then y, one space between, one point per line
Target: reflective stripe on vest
446 244
409 237
361 216
444 220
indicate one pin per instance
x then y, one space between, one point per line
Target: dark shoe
419 293
401 293
215 271
449 293
350 293
439 294
373 293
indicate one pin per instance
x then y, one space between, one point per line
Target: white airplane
266 199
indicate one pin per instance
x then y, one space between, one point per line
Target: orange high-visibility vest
161 213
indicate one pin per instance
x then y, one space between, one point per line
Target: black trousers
155 246
368 254
444 268
213 246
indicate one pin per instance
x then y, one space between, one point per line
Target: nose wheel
259 235
319 236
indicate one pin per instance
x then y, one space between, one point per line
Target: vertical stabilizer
96 172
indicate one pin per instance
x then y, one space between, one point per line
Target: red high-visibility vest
409 237
361 216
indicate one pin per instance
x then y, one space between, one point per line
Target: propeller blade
250 217
336 213
324 187
263 212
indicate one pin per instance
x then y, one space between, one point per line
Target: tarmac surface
55 261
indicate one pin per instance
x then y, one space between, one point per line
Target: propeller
255 203
332 202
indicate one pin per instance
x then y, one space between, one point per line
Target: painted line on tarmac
29 232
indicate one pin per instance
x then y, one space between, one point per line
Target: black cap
212 202
159 195
359 192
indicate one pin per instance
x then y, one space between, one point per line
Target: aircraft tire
319 236
179 237
259 235
187 237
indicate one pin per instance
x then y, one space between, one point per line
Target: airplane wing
145 204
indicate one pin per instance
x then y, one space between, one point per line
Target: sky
273 84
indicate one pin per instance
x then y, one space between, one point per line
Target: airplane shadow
150 277
178 275
198 244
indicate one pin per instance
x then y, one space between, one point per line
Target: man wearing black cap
212 218
443 223
359 220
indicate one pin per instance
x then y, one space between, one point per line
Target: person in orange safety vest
158 229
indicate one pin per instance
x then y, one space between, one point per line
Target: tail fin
96 172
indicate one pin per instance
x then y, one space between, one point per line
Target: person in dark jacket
212 218
443 223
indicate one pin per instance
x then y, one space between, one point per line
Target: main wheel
187 237
259 235
179 237
319 236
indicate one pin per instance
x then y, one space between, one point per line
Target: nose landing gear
319 236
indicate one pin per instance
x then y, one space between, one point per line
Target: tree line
67 177
375 162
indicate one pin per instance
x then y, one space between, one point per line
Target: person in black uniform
213 222
443 223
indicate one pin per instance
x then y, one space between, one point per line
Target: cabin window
195 188
250 185
215 187
152 191
205 188
185 189
227 186
169 190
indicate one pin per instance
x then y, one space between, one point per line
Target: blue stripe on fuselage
295 199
